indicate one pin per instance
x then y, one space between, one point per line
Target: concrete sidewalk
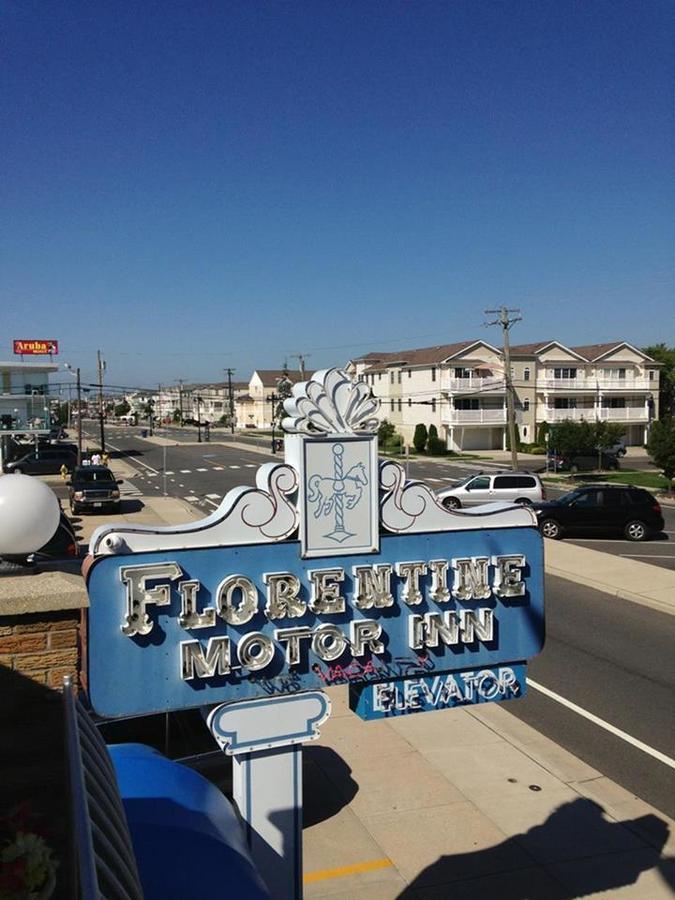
471 804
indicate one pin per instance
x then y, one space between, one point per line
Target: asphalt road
203 473
615 660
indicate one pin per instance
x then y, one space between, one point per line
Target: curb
664 606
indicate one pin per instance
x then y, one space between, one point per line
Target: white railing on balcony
590 414
474 417
627 414
595 384
472 385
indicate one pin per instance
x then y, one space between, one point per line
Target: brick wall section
42 646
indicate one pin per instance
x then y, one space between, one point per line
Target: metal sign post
265 738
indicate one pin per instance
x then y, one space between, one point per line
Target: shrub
420 437
435 446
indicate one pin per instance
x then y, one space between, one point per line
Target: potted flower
27 864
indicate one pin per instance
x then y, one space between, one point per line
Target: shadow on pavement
327 784
581 851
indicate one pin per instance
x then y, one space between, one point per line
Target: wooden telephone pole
507 321
101 411
230 372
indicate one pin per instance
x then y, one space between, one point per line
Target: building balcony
590 414
472 385
596 384
474 417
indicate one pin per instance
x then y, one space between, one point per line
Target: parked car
617 449
491 487
62 544
585 462
91 488
46 460
622 508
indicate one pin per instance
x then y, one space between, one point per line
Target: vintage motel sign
332 570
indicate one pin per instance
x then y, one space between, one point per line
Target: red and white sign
36 347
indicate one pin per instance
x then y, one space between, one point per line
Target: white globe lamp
29 514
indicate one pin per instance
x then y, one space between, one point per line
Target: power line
507 321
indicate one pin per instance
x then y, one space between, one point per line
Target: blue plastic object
187 838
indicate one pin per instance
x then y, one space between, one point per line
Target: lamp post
78 389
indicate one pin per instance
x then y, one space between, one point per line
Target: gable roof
593 352
272 376
422 356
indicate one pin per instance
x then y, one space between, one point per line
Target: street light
79 410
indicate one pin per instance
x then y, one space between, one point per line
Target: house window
524 431
391 403
466 403
409 373
564 373
613 402
399 405
462 373
433 405
652 375
399 376
564 403
526 405
409 402
379 376
526 374
391 377
433 373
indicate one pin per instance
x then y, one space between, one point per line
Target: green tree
122 408
661 447
420 437
385 432
666 356
542 431
176 415
433 432
284 389
583 437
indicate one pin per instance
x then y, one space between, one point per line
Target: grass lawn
643 479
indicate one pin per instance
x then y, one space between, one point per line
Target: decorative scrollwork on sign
259 515
410 506
331 403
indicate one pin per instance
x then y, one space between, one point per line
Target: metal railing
105 865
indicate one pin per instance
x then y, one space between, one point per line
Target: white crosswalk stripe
250 466
191 498
217 468
235 467
202 470
185 471
213 496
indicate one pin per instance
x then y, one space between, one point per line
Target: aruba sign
332 570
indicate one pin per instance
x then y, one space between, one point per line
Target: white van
492 487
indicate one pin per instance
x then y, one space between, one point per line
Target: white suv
493 487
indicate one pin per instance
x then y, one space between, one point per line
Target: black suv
602 508
46 460
92 488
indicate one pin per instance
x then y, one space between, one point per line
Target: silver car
493 487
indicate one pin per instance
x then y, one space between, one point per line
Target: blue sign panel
403 696
181 628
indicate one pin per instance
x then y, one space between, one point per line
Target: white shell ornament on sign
331 403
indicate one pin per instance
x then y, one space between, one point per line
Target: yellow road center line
370 866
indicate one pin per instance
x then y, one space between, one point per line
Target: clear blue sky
194 185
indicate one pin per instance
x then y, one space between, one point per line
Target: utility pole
180 399
159 403
273 400
301 357
199 419
101 411
507 321
230 372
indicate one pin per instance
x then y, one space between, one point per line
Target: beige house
460 388
613 382
255 407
